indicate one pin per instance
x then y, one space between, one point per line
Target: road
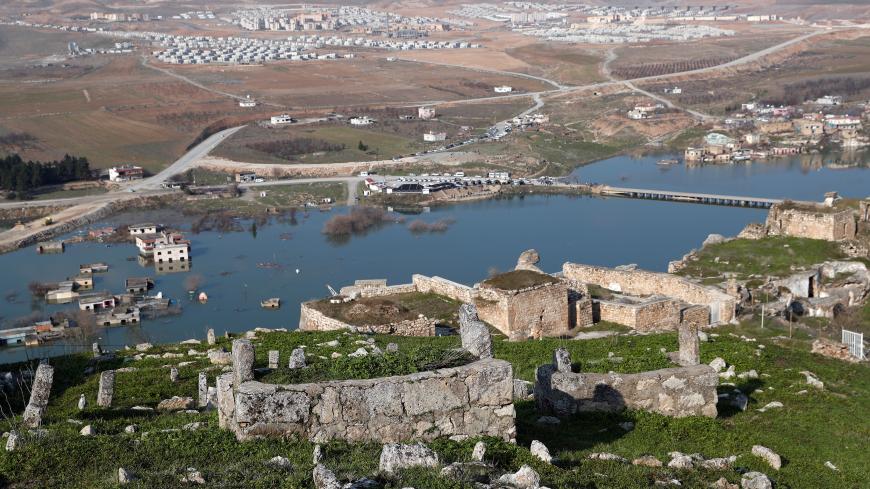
352 184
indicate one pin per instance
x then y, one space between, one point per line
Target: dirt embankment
71 218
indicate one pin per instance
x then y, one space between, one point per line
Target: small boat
203 297
273 303
668 162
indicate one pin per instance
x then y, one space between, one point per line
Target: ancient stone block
274 356
39 394
474 333
226 403
243 361
209 337
396 457
297 358
690 345
202 389
106 389
562 360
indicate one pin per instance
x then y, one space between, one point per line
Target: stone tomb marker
274 356
562 360
209 337
690 344
297 359
202 389
474 332
107 388
39 393
243 361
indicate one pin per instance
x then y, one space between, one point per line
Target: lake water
484 236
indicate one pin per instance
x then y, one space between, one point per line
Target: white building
361 121
426 113
126 173
281 119
145 228
503 89
830 100
431 137
248 102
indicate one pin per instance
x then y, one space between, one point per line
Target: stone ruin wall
642 282
533 312
806 223
461 402
447 288
678 392
311 319
695 314
387 290
658 315
583 313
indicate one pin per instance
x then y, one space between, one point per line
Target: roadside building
503 89
430 136
426 113
125 173
361 121
281 119
245 177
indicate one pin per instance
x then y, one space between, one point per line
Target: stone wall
678 392
533 312
462 402
583 313
640 282
310 319
655 314
695 314
808 221
387 290
447 288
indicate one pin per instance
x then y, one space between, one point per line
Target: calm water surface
484 236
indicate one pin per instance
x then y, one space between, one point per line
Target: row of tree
22 177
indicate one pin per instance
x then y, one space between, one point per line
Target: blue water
485 236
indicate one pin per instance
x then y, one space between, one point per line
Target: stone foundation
532 312
644 314
447 288
833 349
467 401
678 392
311 319
644 283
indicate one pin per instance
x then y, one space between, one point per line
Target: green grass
519 279
812 428
393 308
68 194
300 193
770 256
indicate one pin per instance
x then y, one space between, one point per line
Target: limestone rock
392 348
474 333
468 472
192 476
173 375
220 357
396 456
728 374
722 483
647 461
713 239
12 442
562 360
143 347
176 403
681 461
755 480
243 361
718 364
523 389
771 405
106 390
209 337
83 402
39 393
360 352
317 454
540 450
772 458
812 380
87 431
525 478
528 260
280 462
721 463
610 457
479 451
831 466
131 428
324 478
297 358
124 477
752 374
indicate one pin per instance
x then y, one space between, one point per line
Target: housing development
431 245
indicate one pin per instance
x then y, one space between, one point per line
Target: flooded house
138 285
92 268
97 302
50 247
143 229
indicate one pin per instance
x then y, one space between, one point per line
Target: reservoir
483 237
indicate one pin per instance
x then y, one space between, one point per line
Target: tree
362 147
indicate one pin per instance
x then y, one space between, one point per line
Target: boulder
755 480
523 389
392 348
474 332
479 451
610 457
297 359
124 477
540 450
144 347
681 461
396 456
768 455
220 357
525 478
562 360
87 431
528 260
721 463
192 476
280 462
176 403
647 461
83 403
324 478
713 239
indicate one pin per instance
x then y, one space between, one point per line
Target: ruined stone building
524 304
811 220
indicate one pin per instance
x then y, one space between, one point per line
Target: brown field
823 59
367 80
20 46
562 62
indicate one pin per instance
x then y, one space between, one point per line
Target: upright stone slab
39 392
243 361
209 337
202 389
97 350
173 374
690 344
106 389
474 333
226 403
274 355
562 360
297 358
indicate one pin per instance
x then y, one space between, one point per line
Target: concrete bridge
691 197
